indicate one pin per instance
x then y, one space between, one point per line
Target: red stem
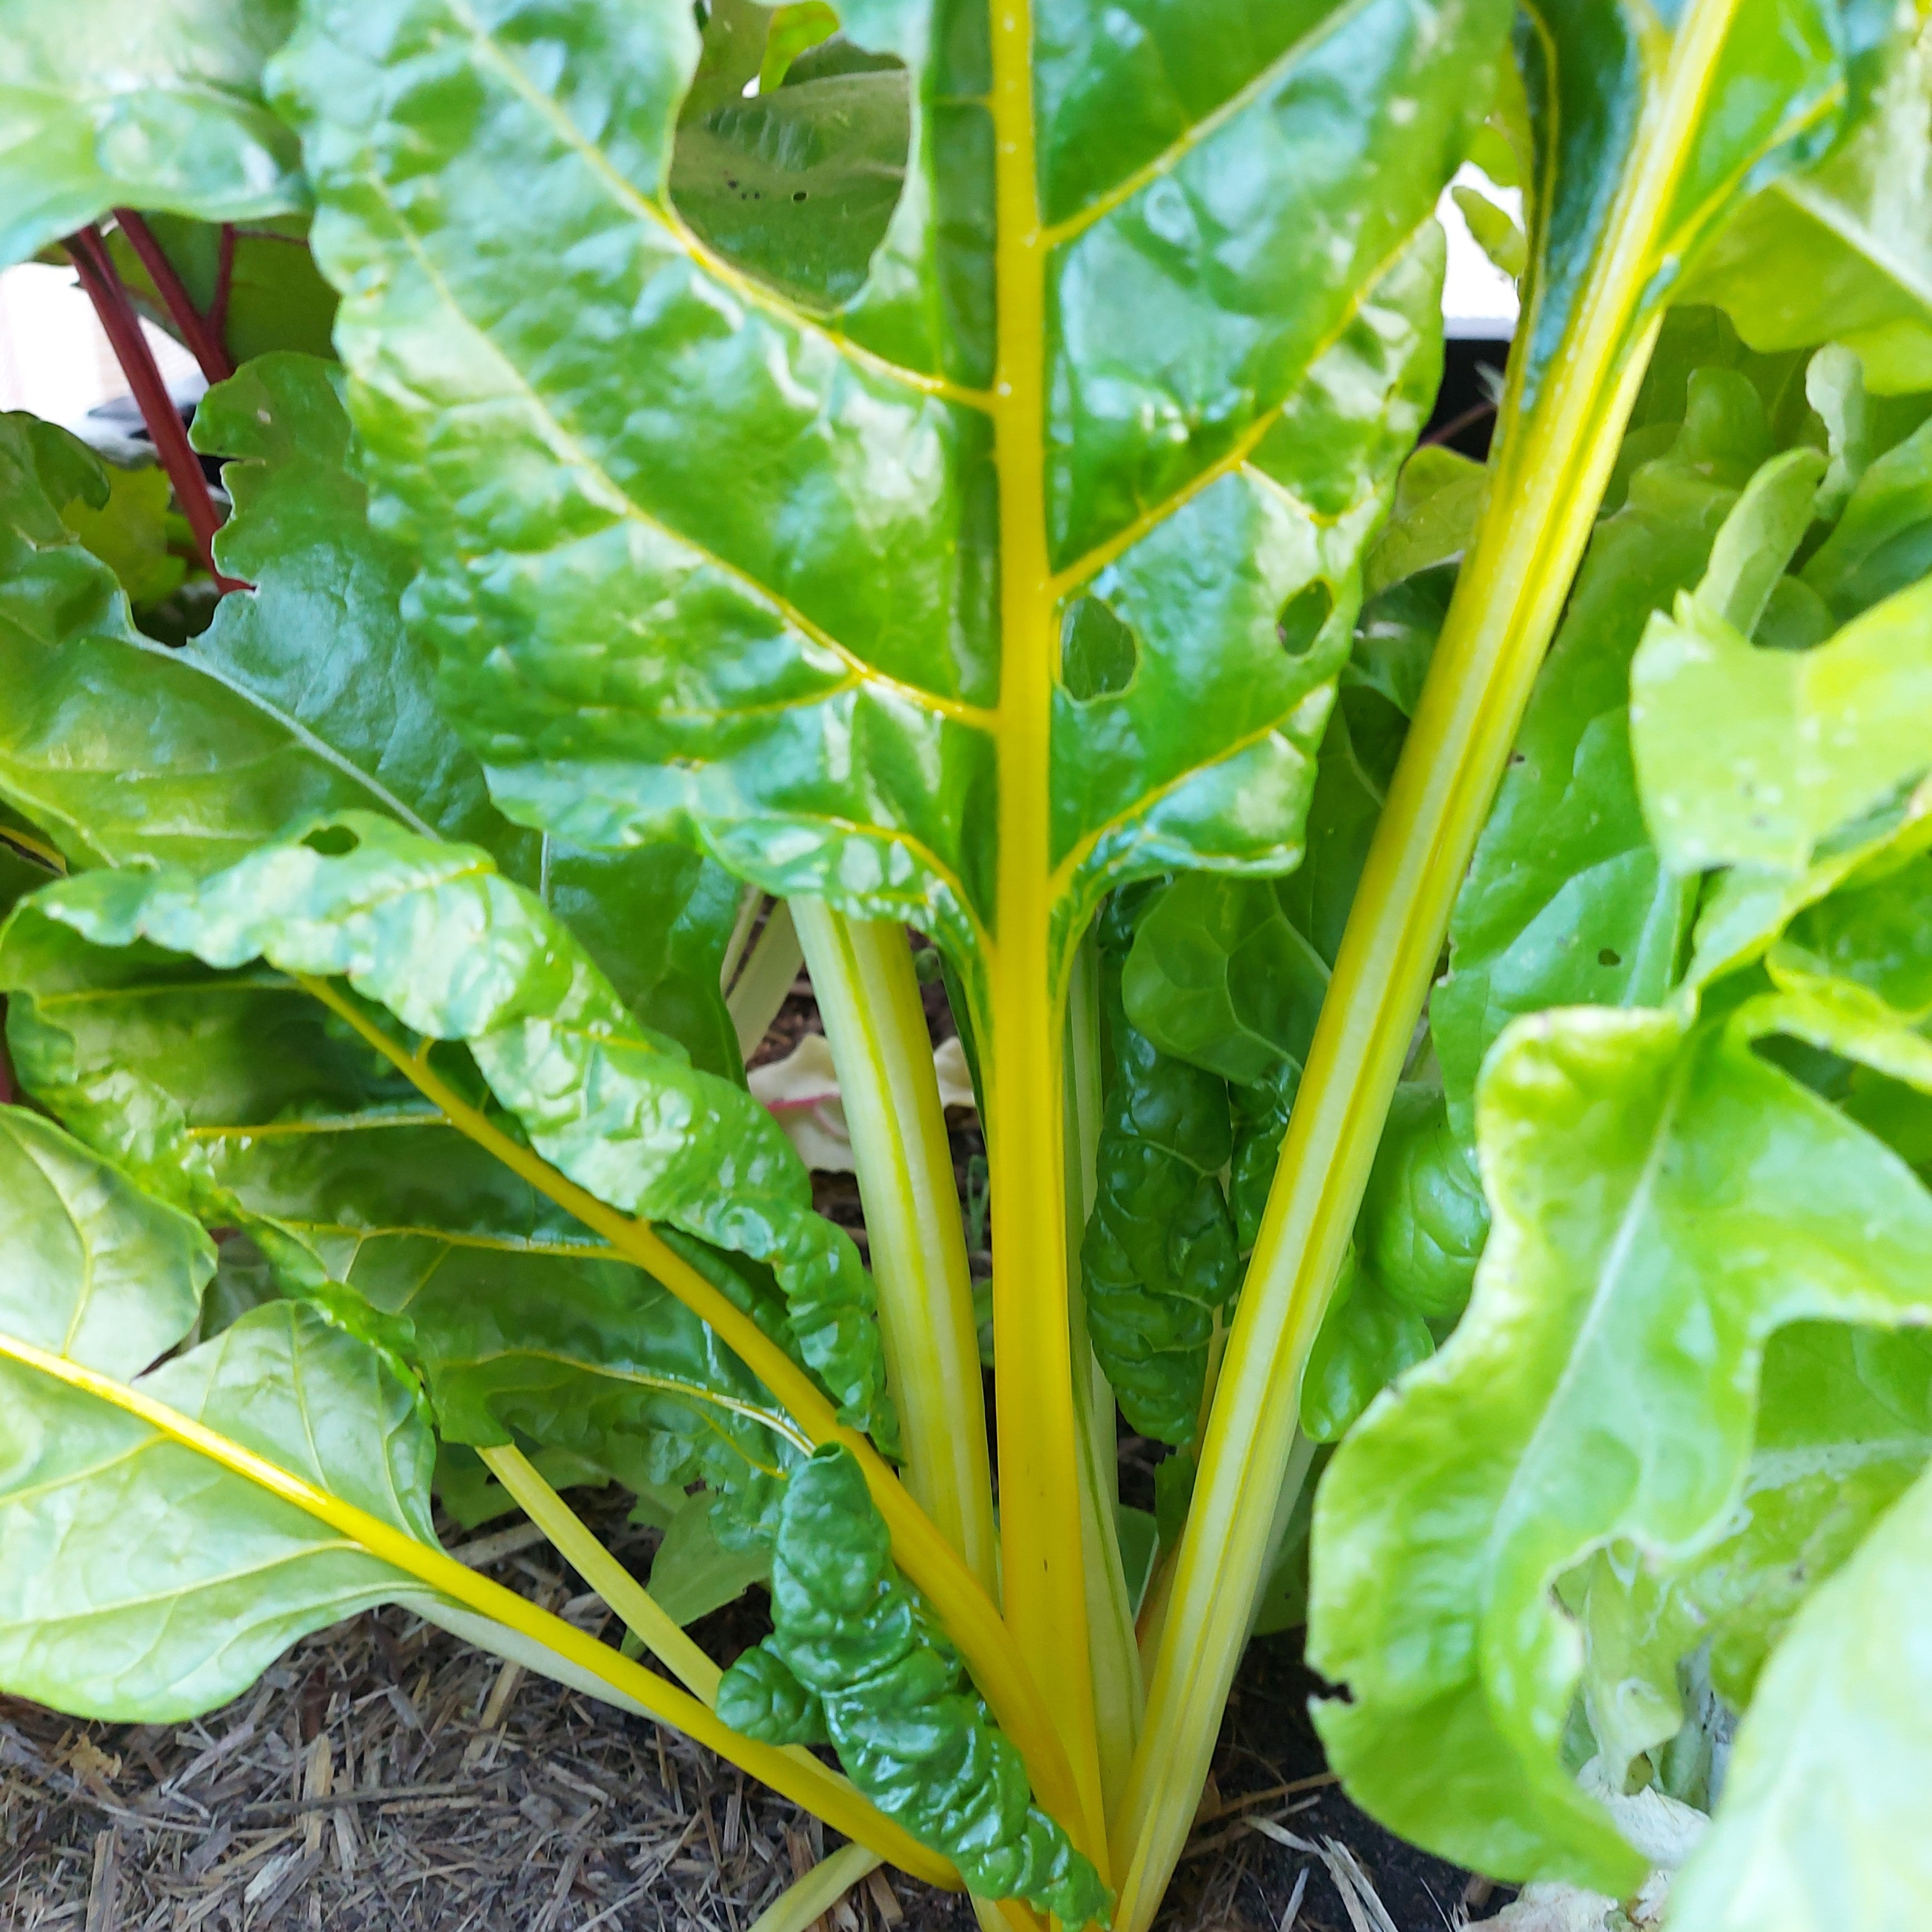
201 333
224 283
115 308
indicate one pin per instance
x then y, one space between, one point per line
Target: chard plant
705 486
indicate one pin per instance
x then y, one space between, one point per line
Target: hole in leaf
795 183
1609 956
1303 616
332 841
1099 654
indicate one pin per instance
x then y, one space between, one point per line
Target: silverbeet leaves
855 1659
434 934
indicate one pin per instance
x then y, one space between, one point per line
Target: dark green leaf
909 1729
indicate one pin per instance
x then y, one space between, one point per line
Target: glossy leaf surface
855 581
895 1701
139 1581
143 103
1842 251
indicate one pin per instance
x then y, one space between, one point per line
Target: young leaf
1664 1199
1749 756
175 120
1844 1426
852 1646
1820 1825
1842 251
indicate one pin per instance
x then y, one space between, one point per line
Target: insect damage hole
1302 617
1098 653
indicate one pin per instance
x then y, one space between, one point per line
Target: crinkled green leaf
1565 902
1842 250
1746 755
806 508
140 104
1664 1199
910 1730
1821 1824
1159 1257
1882 542
234 1093
1367 1339
1423 1221
304 695
456 952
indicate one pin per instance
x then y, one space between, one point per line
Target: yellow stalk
801 1778
1042 1572
571 1538
816 1893
1554 463
868 994
925 1555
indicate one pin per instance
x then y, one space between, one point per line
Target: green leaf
1820 1824
1423 1221
693 1573
1883 543
799 183
1367 1339
1439 497
304 694
1566 902
173 120
1844 1426
138 1581
129 533
1842 251
258 281
793 31
854 581
617 1109
1159 1257
236 1095
909 1729
93 1271
1664 1199
1749 756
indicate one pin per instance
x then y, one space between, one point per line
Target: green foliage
852 1648
957 464
140 104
